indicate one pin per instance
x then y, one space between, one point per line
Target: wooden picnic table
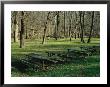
73 53
36 58
52 53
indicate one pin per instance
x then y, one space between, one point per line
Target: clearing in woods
56 58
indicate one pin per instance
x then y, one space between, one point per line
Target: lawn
89 67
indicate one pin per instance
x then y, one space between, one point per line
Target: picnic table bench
39 58
53 53
73 54
91 49
38 61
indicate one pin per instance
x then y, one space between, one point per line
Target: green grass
89 67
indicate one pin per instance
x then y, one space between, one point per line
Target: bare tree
82 25
15 32
92 19
45 27
56 24
64 23
22 31
75 31
70 22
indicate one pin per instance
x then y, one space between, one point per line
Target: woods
44 41
55 25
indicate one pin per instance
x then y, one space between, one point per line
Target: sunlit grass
88 67
50 45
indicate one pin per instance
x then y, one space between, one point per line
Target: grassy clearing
50 45
89 67
84 68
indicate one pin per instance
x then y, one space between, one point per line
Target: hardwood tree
75 27
45 27
56 25
82 25
15 32
64 24
92 18
22 31
70 26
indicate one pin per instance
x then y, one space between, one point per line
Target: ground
89 67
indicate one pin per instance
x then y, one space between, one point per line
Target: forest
55 43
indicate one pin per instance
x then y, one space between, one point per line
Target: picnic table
73 54
37 60
56 55
91 50
53 53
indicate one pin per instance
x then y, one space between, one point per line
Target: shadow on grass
78 68
18 65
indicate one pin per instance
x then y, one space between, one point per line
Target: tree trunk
45 28
56 25
22 31
78 35
75 36
44 34
82 28
49 28
55 33
70 32
70 21
15 28
91 27
32 30
75 25
64 23
26 33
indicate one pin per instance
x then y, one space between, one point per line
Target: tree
75 25
82 25
22 31
70 22
56 25
45 27
15 32
26 33
64 23
91 27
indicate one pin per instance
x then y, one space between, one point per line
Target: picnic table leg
48 54
68 50
66 57
43 65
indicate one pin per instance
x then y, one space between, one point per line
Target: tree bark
22 31
75 36
56 25
44 34
78 35
55 34
15 28
70 21
45 28
75 25
92 19
64 23
82 26
26 33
